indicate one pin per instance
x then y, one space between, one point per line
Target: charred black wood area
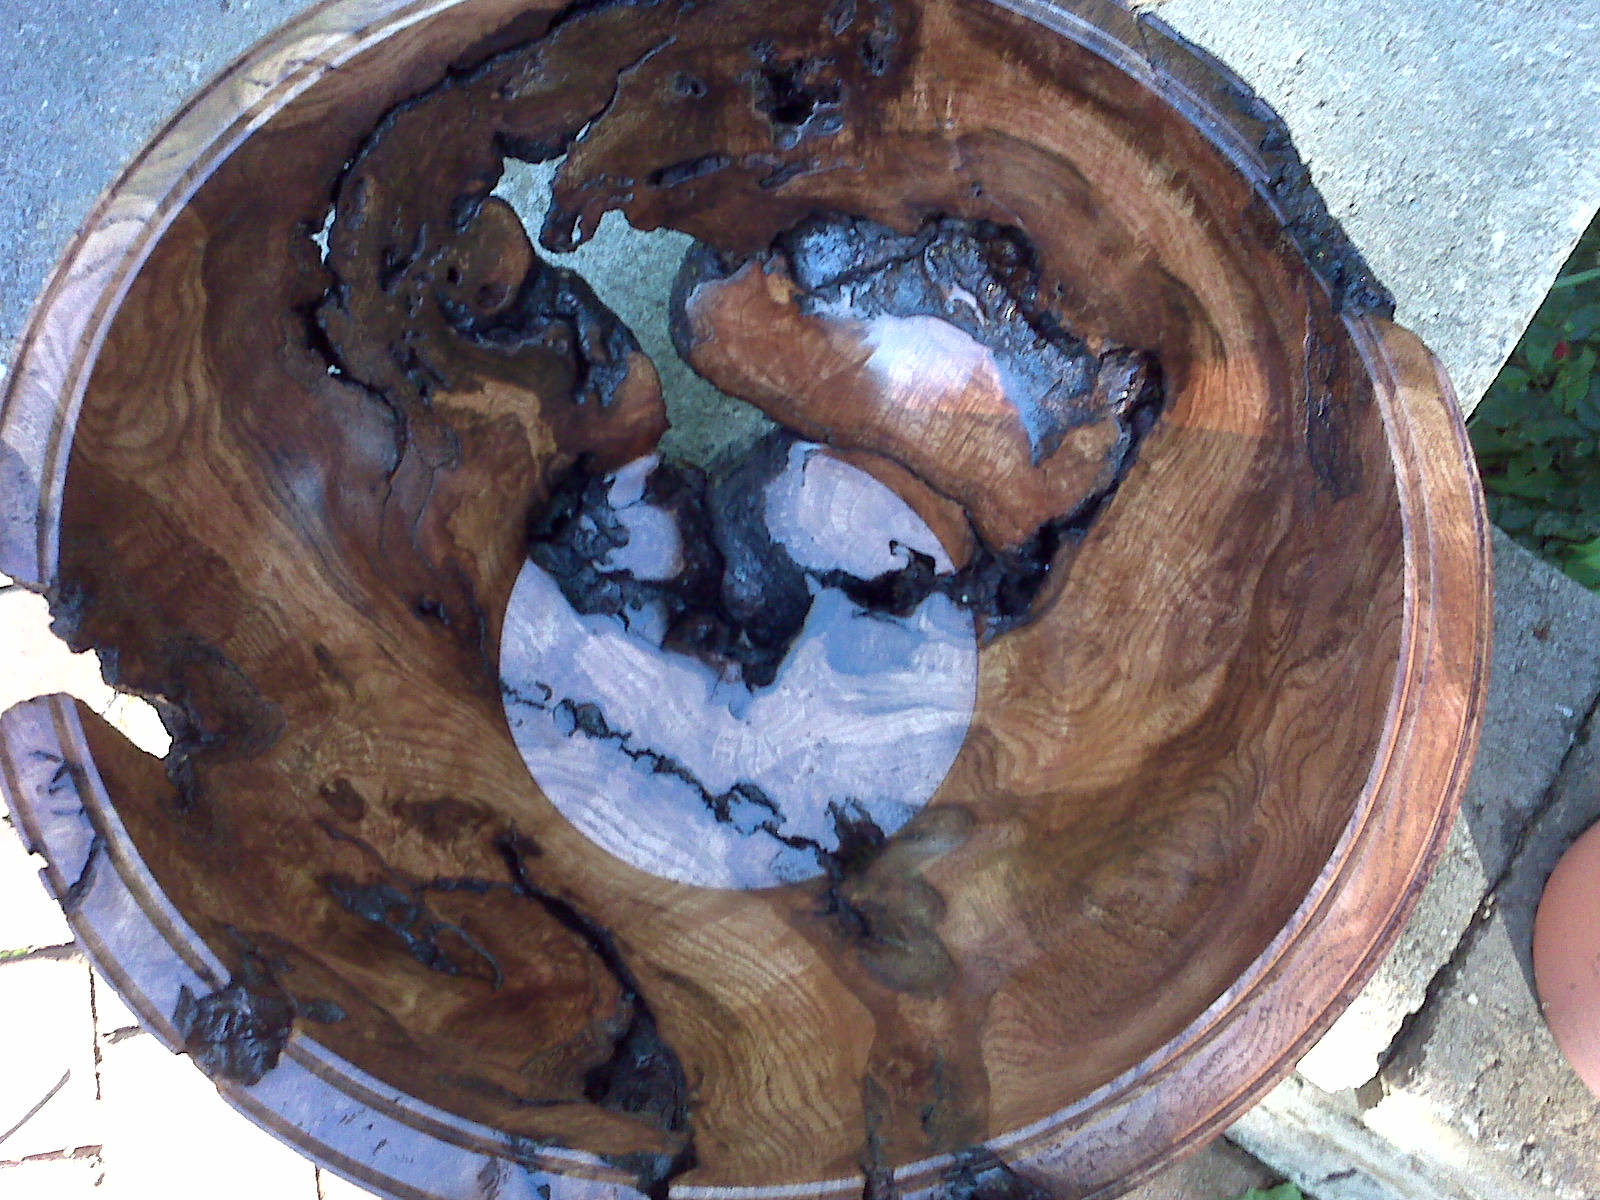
239 1032
211 708
980 277
738 600
978 1173
437 944
744 806
983 279
642 1078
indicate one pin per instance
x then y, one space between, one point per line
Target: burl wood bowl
977 759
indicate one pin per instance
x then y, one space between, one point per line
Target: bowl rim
1245 1042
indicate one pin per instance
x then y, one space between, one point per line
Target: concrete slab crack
1481 918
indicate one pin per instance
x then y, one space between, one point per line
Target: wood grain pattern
918 390
1213 749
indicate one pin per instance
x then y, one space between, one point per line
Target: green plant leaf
1572 380
1539 349
1506 399
1515 378
1529 488
1567 527
1588 552
1489 439
1284 1191
1583 322
1511 514
1588 409
1582 570
1537 432
1553 427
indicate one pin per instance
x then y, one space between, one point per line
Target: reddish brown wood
916 390
1209 760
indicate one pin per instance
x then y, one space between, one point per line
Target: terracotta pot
1566 949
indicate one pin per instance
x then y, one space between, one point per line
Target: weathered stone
114 1021
1334 1150
332 1187
1544 680
1574 806
1219 1172
79 94
69 1177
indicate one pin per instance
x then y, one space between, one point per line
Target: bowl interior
323 442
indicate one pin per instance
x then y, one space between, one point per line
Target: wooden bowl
990 785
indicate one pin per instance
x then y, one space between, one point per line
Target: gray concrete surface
1334 1148
83 85
93 1108
1455 139
632 273
1222 1171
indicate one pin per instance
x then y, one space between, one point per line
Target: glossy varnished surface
1205 763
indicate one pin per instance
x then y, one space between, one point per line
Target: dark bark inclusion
981 278
642 1078
739 599
238 1032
